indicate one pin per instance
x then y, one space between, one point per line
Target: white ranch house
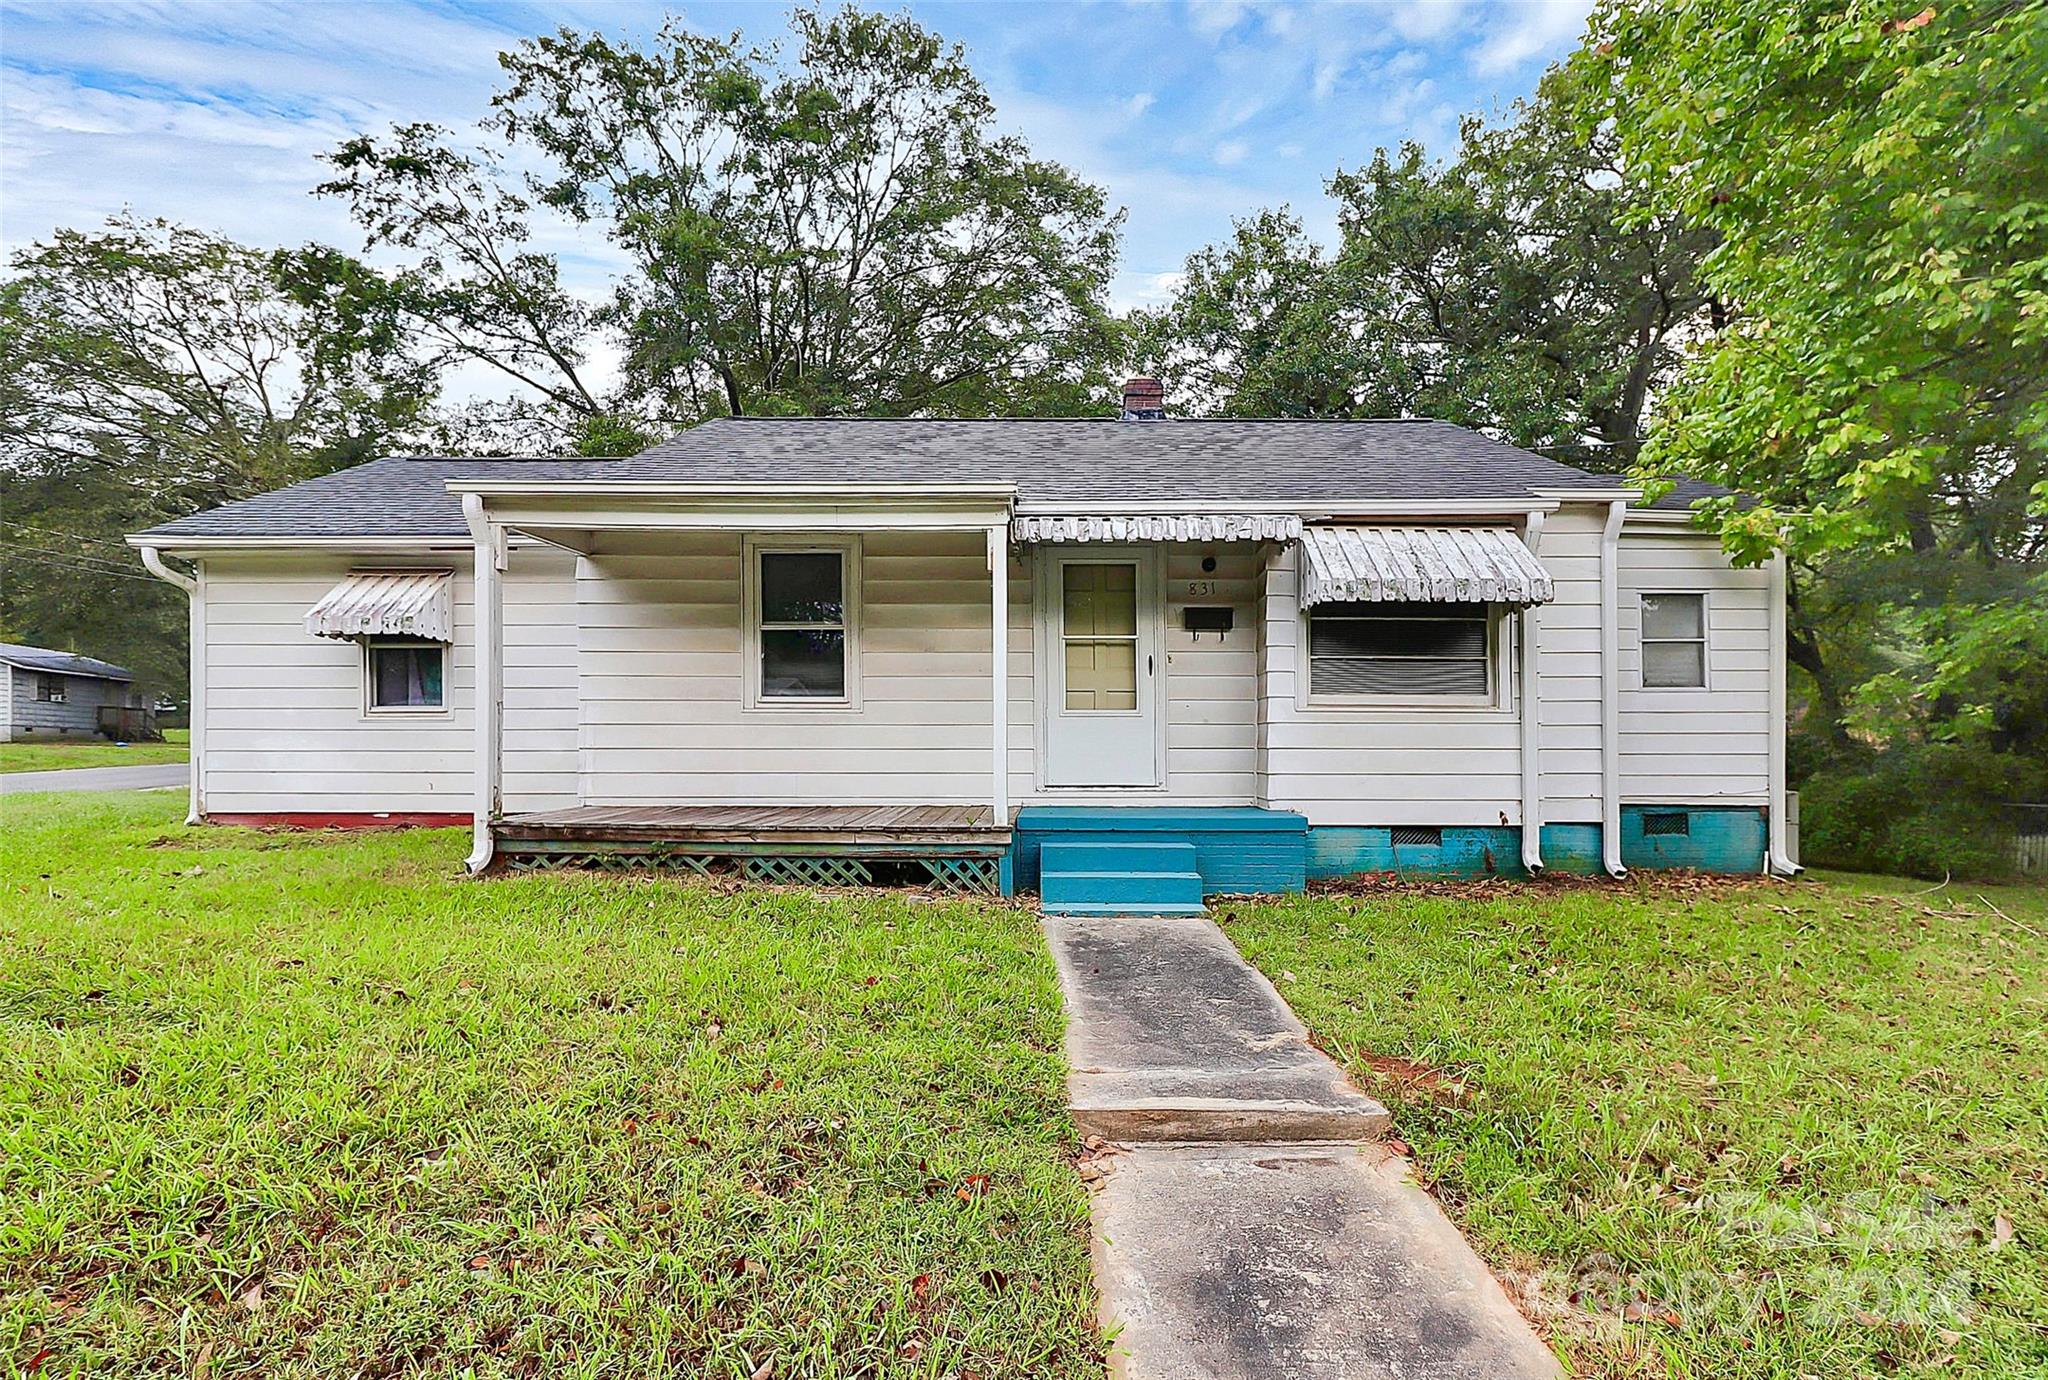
1124 660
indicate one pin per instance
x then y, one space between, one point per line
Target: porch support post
487 564
1532 705
1610 690
999 679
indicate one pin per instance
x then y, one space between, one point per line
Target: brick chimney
1144 400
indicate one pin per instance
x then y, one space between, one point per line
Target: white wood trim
371 709
1497 701
848 549
1705 639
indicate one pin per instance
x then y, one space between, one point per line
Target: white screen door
1102 724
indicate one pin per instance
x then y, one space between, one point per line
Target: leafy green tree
1878 178
1521 287
148 369
474 291
836 230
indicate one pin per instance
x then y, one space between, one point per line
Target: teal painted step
1237 848
1151 855
1129 892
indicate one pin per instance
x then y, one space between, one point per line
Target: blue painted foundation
1237 849
1252 850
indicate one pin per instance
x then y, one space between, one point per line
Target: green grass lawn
1710 1130
309 1104
56 754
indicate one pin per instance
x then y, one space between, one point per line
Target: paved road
96 779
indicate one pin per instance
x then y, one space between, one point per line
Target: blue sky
1189 114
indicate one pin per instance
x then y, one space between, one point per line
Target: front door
1102 717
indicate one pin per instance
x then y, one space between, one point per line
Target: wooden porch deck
958 847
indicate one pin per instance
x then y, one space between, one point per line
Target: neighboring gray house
58 694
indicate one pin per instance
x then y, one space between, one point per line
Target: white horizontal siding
1407 765
1568 662
1696 746
662 689
286 729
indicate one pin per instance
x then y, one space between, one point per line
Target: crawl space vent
1416 836
1667 823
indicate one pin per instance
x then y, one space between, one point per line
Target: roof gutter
195 658
666 488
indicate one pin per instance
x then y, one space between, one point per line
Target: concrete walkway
1250 1223
145 778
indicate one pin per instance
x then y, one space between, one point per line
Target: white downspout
487 561
999 679
1776 861
1610 690
1532 703
195 660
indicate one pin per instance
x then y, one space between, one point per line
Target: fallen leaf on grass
764 1370
974 1186
479 1262
251 1298
35 1362
921 1288
2001 1232
1642 1310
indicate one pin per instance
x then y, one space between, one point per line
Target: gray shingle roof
1083 460
62 663
401 497
1089 459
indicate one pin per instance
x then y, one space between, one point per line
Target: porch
959 849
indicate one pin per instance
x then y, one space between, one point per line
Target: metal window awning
1482 565
1157 527
387 603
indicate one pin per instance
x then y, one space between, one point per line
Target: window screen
803 625
1399 649
1674 641
406 675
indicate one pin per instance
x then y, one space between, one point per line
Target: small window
406 675
803 625
52 690
1400 650
1675 641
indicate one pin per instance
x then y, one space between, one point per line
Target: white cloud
1527 29
1137 105
1231 152
1215 17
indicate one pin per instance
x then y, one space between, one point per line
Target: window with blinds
1400 650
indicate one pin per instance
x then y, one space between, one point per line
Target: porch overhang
562 511
1476 565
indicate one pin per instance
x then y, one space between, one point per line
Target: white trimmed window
1400 651
1675 641
405 677
802 623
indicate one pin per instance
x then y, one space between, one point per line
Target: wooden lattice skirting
953 874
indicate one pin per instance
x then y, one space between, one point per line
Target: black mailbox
1201 620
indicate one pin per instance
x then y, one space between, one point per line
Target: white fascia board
1665 517
1602 497
713 491
380 545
